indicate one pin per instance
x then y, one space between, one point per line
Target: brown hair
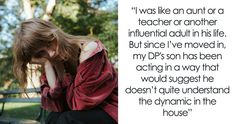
34 34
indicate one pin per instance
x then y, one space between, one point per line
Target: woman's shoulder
88 49
90 46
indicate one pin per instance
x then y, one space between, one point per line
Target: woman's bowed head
38 41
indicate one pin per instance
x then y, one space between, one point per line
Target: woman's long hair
34 34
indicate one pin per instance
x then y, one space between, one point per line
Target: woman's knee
52 117
67 118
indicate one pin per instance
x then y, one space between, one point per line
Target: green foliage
6 66
109 34
79 17
8 19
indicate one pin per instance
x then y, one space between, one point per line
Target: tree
83 17
8 20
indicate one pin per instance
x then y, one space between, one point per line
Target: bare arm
53 98
50 74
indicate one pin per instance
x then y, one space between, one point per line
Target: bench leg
42 116
3 104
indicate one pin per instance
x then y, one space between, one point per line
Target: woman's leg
92 116
53 117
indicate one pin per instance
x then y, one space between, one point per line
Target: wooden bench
7 99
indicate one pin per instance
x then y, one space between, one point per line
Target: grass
21 110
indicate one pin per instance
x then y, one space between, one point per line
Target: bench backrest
19 91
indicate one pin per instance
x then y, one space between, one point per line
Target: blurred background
97 18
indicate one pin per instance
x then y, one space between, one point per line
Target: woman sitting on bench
78 83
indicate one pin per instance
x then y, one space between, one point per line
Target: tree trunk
49 10
28 9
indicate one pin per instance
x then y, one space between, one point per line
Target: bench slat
17 91
6 99
35 100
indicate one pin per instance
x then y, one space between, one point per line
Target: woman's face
47 52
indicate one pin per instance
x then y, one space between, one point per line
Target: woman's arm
50 74
94 82
53 95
